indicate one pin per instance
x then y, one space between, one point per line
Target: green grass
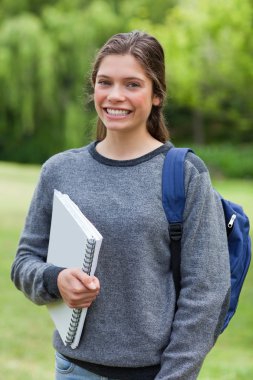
25 345
26 351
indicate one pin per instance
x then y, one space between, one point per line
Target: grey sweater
131 324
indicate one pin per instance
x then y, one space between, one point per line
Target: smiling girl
131 331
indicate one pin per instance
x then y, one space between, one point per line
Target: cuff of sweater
50 280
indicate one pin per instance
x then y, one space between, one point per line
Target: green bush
228 161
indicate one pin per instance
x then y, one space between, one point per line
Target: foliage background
47 48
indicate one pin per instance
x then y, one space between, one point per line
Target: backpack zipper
231 222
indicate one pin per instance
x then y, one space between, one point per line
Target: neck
126 147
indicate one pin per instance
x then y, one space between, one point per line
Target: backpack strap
173 199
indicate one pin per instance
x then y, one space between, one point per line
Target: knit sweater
131 328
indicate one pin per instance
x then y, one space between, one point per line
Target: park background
46 51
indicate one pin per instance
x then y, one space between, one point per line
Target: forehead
115 65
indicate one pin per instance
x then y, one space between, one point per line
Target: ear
156 100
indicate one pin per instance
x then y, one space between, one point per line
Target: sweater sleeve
30 272
205 278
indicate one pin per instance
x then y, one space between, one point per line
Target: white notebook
74 242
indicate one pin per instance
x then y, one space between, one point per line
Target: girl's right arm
30 272
41 282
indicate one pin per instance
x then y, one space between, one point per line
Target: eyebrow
125 78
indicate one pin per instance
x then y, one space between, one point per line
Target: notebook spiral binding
87 263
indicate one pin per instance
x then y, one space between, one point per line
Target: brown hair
149 53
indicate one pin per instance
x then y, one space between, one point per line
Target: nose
116 94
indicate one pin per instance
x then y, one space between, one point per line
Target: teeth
117 112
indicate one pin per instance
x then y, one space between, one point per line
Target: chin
117 128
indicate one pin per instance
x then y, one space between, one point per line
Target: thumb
90 282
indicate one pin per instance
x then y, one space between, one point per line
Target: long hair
150 55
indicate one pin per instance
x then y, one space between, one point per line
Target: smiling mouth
117 112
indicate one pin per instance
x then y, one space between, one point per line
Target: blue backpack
239 243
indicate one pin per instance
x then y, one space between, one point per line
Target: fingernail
92 285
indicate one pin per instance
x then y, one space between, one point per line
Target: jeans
65 370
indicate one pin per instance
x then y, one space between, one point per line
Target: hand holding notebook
77 288
74 243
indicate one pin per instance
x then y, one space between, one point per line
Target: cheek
143 97
98 98
143 103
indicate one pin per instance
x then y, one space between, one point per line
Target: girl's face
123 94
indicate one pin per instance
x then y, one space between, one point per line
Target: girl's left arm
205 272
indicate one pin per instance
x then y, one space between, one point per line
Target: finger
90 282
96 282
83 302
81 280
93 284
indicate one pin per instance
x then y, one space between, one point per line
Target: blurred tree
10 8
208 48
46 49
209 53
27 77
154 12
43 63
67 5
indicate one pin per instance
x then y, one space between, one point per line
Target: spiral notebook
74 242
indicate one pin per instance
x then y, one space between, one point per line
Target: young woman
131 331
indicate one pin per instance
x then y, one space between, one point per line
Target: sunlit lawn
26 352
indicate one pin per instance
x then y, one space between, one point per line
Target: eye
103 82
133 84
